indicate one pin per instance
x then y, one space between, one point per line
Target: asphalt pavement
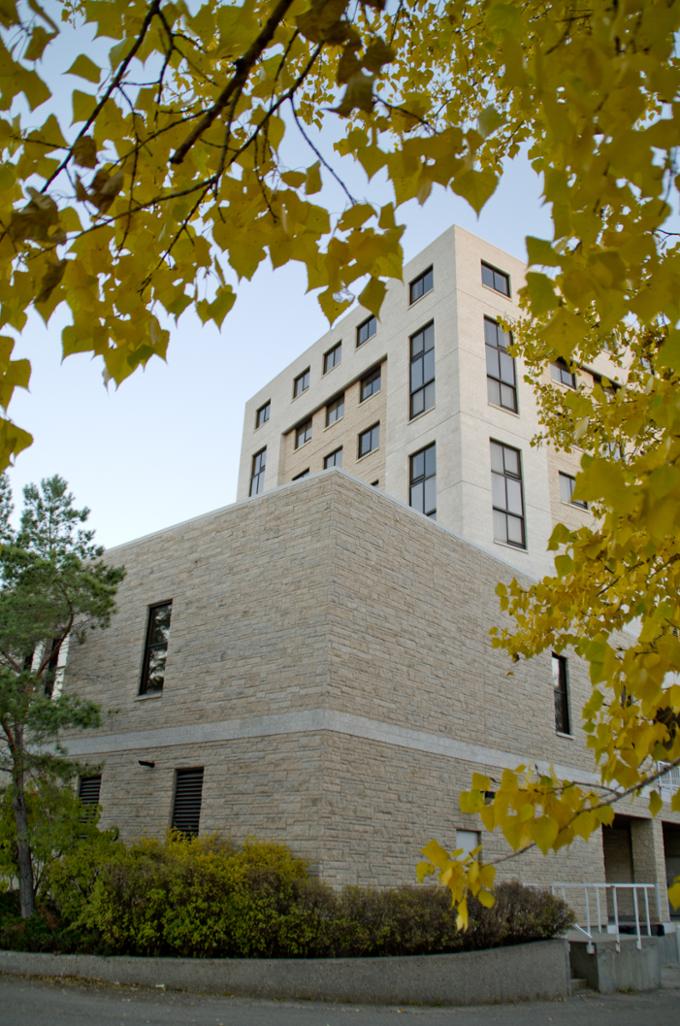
25 1002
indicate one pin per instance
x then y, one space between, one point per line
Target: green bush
205 897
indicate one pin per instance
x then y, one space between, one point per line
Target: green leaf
83 67
372 295
476 187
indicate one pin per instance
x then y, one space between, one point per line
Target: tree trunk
24 862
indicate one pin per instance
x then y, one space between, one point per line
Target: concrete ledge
608 970
523 972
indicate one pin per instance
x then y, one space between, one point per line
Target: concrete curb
522 972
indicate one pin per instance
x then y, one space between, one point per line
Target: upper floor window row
370 384
301 383
155 648
335 410
495 279
560 372
263 414
366 330
369 440
332 357
257 472
421 285
303 433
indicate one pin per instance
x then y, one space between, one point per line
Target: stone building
312 664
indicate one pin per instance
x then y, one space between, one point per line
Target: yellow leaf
83 67
372 295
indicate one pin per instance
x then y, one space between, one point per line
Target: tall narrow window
508 497
422 371
334 459
335 410
561 373
494 279
421 285
257 472
301 383
369 440
567 483
366 330
52 667
423 491
500 366
156 648
303 433
186 807
561 691
332 357
263 414
89 789
370 384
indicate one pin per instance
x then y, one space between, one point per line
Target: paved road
26 1002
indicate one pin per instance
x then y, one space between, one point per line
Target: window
262 415
497 280
423 491
186 807
52 667
334 459
301 383
422 371
89 789
421 285
561 690
501 383
303 473
561 373
335 410
332 357
366 330
303 433
567 483
369 440
257 472
468 840
156 648
508 499
370 384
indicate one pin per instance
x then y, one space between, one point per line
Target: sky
164 447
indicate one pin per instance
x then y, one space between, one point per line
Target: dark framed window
508 495
423 478
303 473
332 357
421 375
156 648
263 414
567 483
335 410
369 440
301 383
501 380
303 433
89 789
561 373
366 330
370 384
495 279
186 805
560 681
257 470
50 677
334 459
421 285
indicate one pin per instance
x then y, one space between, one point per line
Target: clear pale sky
165 446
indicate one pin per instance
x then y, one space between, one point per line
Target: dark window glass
421 377
332 358
500 366
423 491
257 472
370 384
369 440
561 690
420 285
262 415
303 433
89 789
495 279
561 373
301 383
186 807
50 675
335 410
567 483
156 648
508 497
366 330
334 459
303 473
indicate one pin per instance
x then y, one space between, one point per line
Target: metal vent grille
186 810
89 788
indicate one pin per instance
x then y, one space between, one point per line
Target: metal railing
606 907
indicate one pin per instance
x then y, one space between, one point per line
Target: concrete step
670 976
577 983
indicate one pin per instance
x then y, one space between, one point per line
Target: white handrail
611 889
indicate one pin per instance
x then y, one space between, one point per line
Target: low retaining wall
607 970
522 972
